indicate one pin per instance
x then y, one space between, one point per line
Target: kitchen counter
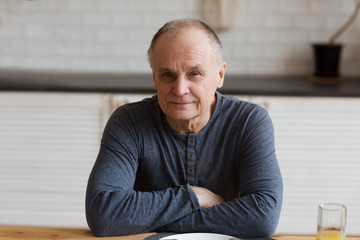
143 83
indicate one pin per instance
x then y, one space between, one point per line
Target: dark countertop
143 83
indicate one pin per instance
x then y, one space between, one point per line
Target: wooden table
40 233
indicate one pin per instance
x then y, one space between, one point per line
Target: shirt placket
190 160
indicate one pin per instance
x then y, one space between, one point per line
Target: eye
167 76
194 73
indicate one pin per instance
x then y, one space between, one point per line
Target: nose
180 86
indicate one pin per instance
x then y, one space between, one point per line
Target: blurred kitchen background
49 139
265 36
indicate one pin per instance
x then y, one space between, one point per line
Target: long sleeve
255 213
113 207
141 179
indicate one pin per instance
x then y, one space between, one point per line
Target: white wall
269 36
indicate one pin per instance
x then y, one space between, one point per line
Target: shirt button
190 141
261 204
190 171
191 155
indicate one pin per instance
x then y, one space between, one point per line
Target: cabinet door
318 149
121 99
48 145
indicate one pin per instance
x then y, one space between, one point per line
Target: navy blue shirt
142 176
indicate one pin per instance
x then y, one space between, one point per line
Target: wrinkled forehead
185 42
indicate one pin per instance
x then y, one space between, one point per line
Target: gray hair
174 27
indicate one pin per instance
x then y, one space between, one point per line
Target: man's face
186 75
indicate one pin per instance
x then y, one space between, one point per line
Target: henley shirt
141 179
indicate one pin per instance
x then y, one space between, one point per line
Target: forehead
184 33
186 45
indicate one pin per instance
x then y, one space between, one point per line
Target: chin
181 116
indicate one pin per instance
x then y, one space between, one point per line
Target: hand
206 197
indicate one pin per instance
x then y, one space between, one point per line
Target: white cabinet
318 149
121 99
49 142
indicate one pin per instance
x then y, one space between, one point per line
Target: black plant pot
327 60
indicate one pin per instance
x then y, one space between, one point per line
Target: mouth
181 104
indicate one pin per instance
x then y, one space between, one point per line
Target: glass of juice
331 221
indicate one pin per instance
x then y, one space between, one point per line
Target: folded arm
113 207
126 212
254 215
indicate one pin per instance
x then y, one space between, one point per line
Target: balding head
175 27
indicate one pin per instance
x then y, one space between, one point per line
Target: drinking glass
331 221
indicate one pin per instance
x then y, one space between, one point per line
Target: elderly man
189 159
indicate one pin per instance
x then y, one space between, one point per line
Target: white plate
199 236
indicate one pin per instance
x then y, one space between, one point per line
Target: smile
181 103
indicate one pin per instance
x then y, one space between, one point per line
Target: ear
221 74
155 85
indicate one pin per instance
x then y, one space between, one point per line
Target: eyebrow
161 70
196 67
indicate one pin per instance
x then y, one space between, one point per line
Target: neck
187 126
